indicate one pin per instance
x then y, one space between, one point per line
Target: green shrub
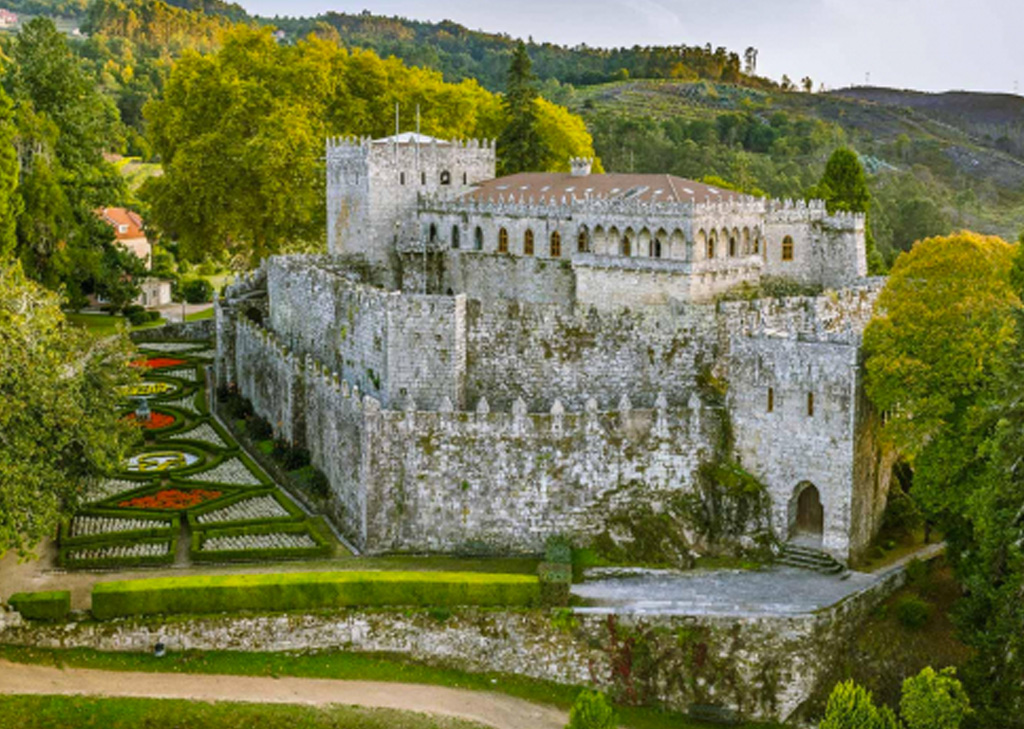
933 700
305 591
257 428
913 612
558 550
197 291
42 605
591 710
555 582
290 457
851 707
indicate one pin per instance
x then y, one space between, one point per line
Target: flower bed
141 553
106 526
171 499
233 471
258 542
204 433
163 460
90 526
154 363
156 420
149 389
257 508
272 541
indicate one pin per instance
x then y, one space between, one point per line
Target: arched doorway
806 514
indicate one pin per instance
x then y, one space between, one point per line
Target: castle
484 361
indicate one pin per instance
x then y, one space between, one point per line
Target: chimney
580 166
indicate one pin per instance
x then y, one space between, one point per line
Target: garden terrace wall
764 667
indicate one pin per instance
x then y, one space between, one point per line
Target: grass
346 666
104 324
200 315
45 712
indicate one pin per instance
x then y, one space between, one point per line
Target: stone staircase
808 558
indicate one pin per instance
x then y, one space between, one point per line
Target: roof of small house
621 186
118 217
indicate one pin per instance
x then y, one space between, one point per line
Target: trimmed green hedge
163 526
104 563
42 605
555 583
310 590
322 549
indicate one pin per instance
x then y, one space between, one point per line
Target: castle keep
484 362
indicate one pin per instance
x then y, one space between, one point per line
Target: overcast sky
932 45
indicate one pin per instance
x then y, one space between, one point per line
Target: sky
930 45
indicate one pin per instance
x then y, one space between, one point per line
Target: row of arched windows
445 178
747 245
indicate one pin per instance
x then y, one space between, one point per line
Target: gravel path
489 709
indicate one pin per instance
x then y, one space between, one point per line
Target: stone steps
794 555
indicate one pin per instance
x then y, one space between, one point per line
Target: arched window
502 241
771 399
656 248
711 244
433 232
556 244
455 236
757 242
787 248
528 242
810 404
732 247
582 244
478 238
465 179
401 178
446 177
423 178
625 246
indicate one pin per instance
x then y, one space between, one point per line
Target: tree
917 219
933 700
844 188
850 707
807 84
60 426
520 145
591 710
10 201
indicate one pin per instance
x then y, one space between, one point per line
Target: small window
423 178
455 236
556 245
465 179
771 399
446 178
810 404
711 246
757 243
625 247
656 248
122 229
582 244
732 247
528 243
787 248
502 241
478 238
401 178
433 233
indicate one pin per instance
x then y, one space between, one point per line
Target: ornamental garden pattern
188 480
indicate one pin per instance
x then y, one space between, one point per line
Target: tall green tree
520 145
10 201
850 706
934 700
60 428
844 188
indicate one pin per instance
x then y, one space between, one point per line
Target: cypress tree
520 146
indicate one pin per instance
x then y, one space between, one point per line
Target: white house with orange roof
130 232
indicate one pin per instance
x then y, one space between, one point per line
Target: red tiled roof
622 186
118 217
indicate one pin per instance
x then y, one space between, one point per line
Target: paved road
490 709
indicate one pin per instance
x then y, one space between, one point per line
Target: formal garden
188 493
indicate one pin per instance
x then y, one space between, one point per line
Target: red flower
155 422
155 362
171 499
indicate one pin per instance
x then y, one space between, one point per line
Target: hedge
310 590
162 526
102 563
555 583
294 512
323 548
42 605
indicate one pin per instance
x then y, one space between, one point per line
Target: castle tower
373 186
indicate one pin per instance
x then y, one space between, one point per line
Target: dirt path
494 710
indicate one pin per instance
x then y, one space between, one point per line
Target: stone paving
770 591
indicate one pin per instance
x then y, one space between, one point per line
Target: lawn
104 324
347 666
46 712
200 315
